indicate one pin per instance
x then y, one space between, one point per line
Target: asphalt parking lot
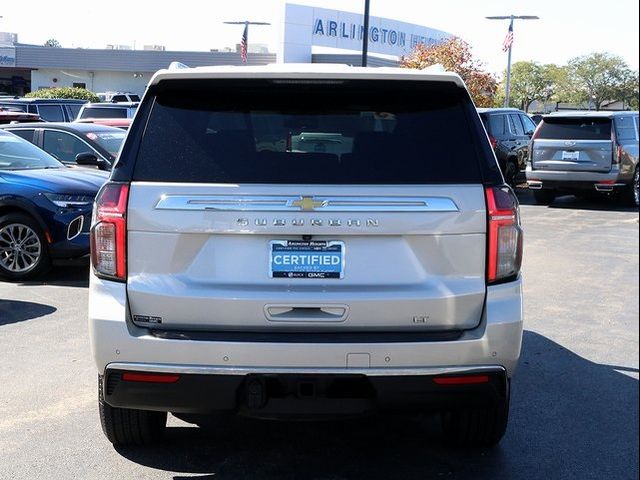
574 405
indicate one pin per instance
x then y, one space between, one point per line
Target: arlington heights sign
305 27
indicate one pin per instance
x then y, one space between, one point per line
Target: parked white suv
305 240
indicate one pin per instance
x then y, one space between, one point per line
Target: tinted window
529 126
51 113
73 111
26 134
626 129
580 128
303 132
497 125
18 154
134 98
516 124
119 98
102 112
64 146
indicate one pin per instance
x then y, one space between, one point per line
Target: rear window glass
109 112
581 128
311 132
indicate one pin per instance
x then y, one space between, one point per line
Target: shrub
65 92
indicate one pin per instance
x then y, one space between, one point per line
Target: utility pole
511 18
365 34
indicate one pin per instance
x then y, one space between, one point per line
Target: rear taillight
109 232
617 155
504 256
533 138
493 142
616 152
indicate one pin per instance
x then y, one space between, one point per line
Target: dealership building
306 35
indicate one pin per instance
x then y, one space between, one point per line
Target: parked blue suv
45 208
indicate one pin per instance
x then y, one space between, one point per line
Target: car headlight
68 201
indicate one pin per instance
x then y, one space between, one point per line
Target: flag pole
508 87
245 36
511 18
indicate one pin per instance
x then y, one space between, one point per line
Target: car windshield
110 141
18 154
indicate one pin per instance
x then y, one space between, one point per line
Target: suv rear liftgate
331 235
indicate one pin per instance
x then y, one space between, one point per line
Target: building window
79 85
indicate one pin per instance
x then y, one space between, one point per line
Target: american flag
508 40
243 44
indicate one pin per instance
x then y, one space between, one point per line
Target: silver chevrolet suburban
303 241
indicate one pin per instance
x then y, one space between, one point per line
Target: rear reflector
463 380
150 377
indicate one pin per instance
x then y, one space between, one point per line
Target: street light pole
507 93
365 34
511 18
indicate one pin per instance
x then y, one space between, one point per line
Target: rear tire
125 426
631 194
544 197
476 427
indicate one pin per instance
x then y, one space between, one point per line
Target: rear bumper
118 346
561 180
304 392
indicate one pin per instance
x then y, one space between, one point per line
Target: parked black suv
510 131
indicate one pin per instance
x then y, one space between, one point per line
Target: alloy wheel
20 248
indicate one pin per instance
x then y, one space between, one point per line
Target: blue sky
567 28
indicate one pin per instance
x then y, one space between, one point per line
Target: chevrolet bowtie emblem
308 204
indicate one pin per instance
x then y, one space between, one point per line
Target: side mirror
90 159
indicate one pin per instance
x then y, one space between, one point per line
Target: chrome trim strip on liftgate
374 372
280 203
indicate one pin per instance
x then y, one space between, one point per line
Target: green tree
65 92
528 83
52 42
630 94
599 77
455 56
532 81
